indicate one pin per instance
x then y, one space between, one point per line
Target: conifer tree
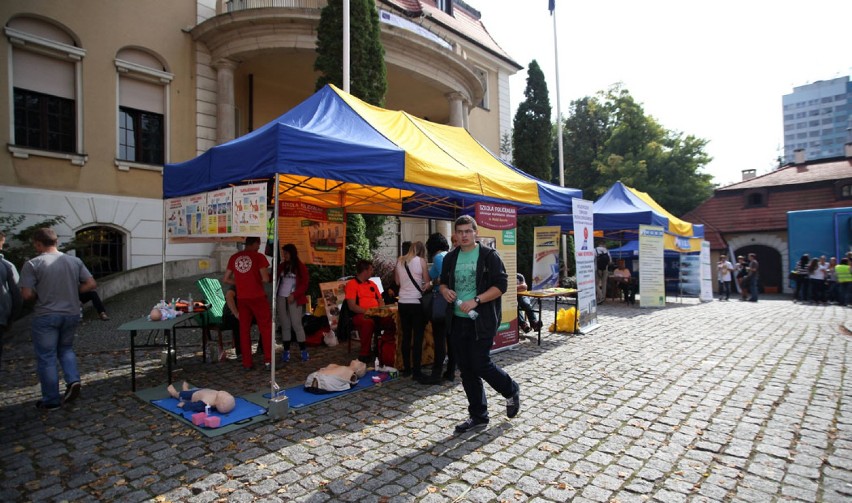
532 143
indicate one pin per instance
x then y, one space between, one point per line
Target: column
456 109
225 127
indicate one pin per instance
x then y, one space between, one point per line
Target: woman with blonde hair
412 276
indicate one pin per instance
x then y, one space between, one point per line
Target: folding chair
212 291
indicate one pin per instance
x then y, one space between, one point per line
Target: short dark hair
46 236
465 220
252 240
362 265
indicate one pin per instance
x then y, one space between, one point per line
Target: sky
715 70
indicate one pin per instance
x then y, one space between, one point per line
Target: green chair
213 295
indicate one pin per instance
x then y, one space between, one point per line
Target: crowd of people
466 285
822 281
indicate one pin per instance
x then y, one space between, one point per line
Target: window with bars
141 136
101 249
44 122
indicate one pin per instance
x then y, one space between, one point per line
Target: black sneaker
513 403
72 392
471 425
47 406
431 379
449 376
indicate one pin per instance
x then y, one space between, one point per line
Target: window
756 198
45 71
483 78
445 5
44 122
143 98
846 191
101 248
140 136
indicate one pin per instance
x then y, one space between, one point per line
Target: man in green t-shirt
473 278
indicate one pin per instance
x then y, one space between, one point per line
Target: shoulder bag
425 297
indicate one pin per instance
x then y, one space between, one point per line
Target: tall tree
532 129
368 75
609 138
368 81
532 142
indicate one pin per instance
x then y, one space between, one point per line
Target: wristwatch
476 299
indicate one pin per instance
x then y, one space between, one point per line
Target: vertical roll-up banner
545 266
497 224
652 279
706 273
584 256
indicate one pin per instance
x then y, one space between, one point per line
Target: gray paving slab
720 401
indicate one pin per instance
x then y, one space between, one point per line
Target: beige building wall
192 39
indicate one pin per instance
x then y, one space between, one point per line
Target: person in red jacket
249 270
292 290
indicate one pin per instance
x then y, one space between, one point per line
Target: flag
551 5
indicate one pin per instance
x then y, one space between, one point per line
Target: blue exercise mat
298 397
243 410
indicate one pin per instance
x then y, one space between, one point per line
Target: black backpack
602 260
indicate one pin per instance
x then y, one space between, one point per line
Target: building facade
817 120
102 94
751 216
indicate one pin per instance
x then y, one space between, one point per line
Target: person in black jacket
475 277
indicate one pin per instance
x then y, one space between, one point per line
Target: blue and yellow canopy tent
620 211
336 150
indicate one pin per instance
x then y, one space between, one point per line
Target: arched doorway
101 249
771 277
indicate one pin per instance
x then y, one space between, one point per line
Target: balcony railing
238 5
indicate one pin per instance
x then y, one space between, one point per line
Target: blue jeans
474 359
53 338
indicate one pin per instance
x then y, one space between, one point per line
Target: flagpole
561 164
346 38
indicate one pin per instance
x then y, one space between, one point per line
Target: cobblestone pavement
723 401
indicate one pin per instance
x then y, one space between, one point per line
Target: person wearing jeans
54 281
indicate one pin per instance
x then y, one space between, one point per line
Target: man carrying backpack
602 261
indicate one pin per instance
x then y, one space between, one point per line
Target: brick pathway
696 402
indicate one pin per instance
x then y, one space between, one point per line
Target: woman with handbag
415 286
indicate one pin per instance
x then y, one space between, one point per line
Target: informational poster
706 294
318 233
175 218
545 267
497 229
250 210
220 215
333 295
652 278
584 256
195 209
690 275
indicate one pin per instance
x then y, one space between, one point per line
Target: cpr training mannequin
196 399
335 377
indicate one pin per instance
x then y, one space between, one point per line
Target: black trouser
95 298
474 358
725 288
817 290
801 292
413 325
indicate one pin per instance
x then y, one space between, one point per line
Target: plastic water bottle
471 314
190 306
